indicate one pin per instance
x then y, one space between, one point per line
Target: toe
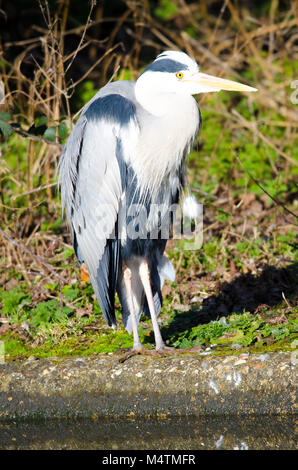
166 350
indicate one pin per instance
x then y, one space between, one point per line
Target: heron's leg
145 278
137 346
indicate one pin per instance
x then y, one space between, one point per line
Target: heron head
176 72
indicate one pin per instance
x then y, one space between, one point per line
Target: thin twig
277 202
37 258
250 126
34 190
203 193
36 138
73 85
88 22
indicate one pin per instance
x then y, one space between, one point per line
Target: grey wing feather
91 178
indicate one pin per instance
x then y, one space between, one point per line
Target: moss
79 344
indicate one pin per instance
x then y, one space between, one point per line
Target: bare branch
36 138
37 258
277 202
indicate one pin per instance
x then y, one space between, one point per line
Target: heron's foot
135 351
164 350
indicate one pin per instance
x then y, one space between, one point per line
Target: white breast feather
162 142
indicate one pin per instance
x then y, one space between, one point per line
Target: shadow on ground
247 292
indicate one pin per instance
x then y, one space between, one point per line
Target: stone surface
142 386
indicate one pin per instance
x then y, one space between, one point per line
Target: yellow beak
209 83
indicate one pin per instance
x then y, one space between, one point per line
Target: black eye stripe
166 65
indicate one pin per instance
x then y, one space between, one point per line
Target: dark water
261 432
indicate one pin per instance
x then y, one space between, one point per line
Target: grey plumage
124 158
96 177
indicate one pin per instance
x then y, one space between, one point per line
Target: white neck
170 128
152 97
157 104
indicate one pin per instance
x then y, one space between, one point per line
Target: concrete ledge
184 385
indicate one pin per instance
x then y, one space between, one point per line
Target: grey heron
127 150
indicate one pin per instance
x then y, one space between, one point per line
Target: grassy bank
239 291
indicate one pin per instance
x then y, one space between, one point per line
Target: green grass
242 330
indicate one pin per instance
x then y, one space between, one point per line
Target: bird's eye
179 75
